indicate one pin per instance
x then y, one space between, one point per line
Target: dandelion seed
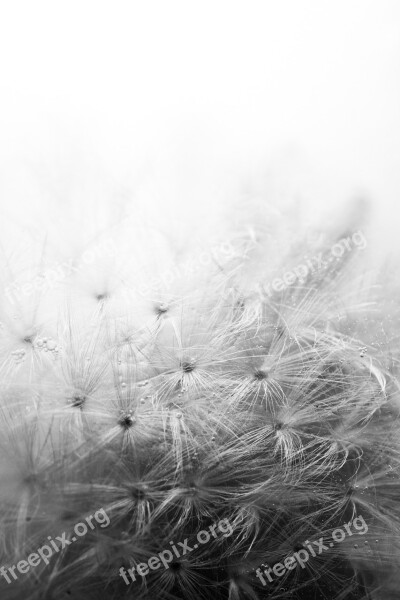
175 413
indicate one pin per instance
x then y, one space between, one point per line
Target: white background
203 97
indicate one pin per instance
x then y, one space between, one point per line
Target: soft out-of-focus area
174 115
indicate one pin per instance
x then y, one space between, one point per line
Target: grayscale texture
199 300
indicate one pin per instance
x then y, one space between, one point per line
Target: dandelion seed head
188 365
161 308
127 421
200 403
77 400
139 491
29 337
260 374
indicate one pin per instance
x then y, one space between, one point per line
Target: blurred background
174 112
